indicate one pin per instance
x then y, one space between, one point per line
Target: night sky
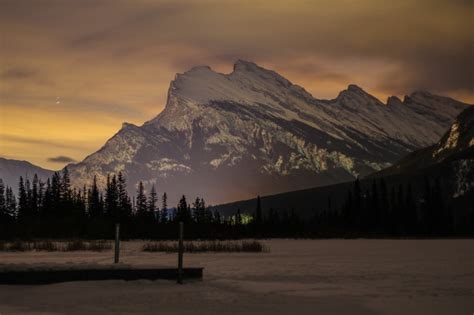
72 71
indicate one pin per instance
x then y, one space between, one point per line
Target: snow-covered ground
296 277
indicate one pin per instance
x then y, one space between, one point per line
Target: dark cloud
17 73
33 141
429 41
61 159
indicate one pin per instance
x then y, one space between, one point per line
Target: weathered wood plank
55 275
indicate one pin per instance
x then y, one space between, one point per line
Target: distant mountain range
232 136
11 170
450 160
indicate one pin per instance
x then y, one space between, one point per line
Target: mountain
450 161
11 170
232 136
452 157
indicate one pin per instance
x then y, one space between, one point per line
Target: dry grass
60 246
208 246
99 246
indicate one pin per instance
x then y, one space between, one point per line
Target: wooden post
180 253
117 243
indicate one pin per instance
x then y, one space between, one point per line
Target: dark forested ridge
371 208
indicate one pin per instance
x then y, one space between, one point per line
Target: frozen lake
296 277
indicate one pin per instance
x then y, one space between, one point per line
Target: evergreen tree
393 212
238 217
55 210
164 209
28 197
152 200
183 213
348 212
94 203
3 203
23 214
41 191
65 186
426 218
357 211
47 204
384 206
199 212
258 212
35 198
141 201
111 198
438 209
217 217
374 209
410 213
271 218
400 212
124 204
10 201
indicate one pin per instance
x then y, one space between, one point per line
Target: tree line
374 212
400 211
54 209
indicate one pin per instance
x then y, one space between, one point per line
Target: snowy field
295 277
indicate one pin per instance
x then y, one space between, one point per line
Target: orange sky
72 71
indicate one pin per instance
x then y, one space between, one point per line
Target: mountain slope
11 170
231 136
450 160
456 144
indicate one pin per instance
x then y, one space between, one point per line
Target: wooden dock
64 273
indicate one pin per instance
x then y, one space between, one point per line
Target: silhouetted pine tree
411 218
374 209
65 188
124 204
357 204
23 210
142 208
238 217
258 212
199 211
112 198
11 204
217 217
3 203
348 213
55 210
384 206
94 203
164 209
35 197
426 218
183 211
152 200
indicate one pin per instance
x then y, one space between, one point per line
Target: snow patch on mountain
464 181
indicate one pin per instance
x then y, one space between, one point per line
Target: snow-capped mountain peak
228 136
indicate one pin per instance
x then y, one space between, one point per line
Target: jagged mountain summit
232 136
